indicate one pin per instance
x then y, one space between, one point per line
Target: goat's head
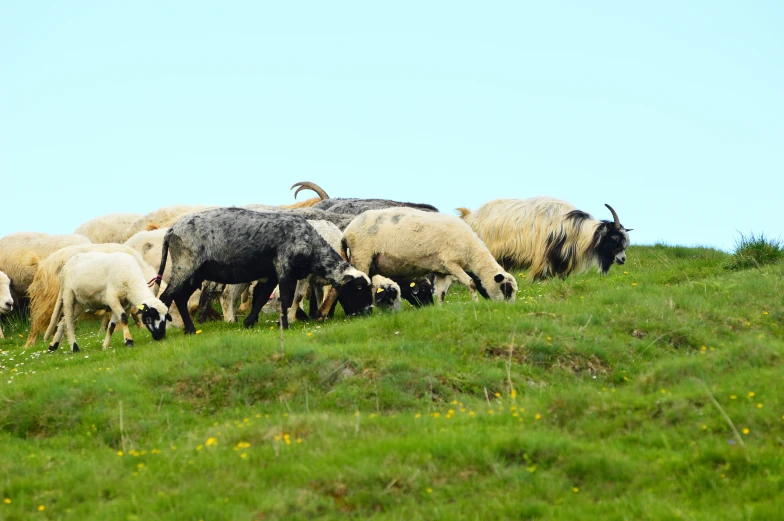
154 315
355 293
613 239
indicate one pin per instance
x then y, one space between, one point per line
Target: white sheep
112 281
15 251
406 242
161 218
6 300
108 228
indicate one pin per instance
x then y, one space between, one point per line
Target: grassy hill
653 393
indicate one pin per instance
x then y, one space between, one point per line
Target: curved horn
615 216
306 185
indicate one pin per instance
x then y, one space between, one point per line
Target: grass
611 397
754 251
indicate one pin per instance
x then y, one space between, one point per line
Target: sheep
549 236
107 228
46 284
149 245
408 242
418 292
236 245
15 250
112 281
6 300
386 293
161 218
356 206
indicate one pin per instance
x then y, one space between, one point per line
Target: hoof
53 347
189 331
75 348
248 323
129 342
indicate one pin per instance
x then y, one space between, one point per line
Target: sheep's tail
464 212
155 283
58 308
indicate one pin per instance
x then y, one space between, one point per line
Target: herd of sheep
361 253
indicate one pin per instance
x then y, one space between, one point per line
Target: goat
355 206
549 236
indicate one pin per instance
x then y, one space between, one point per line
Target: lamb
354 206
6 300
108 228
15 251
407 242
236 245
45 287
418 292
112 281
549 236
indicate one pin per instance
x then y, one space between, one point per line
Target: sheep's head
501 286
612 239
418 292
355 293
386 293
154 316
6 300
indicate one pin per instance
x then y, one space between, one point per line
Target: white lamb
6 300
113 281
405 242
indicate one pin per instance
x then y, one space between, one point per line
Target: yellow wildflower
538 416
575 490
7 501
746 431
759 406
211 441
119 453
733 397
41 508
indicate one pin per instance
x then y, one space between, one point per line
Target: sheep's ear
347 278
499 277
141 307
380 290
168 317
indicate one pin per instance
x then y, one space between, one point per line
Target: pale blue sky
672 112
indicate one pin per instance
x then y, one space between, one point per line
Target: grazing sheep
386 293
6 300
418 292
549 236
161 218
46 284
354 206
108 228
236 245
111 281
15 251
405 242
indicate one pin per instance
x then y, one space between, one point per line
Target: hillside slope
652 393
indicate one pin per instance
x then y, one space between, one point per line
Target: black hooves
129 342
53 347
75 348
248 323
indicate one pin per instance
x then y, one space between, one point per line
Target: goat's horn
306 185
615 216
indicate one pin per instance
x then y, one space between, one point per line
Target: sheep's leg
245 300
113 319
299 293
208 294
229 300
287 287
260 296
119 312
71 310
316 298
58 335
463 278
441 287
105 319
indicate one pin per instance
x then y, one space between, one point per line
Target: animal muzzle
508 290
158 334
620 258
7 307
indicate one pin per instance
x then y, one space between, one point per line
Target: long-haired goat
549 236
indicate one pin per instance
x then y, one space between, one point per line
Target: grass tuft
753 251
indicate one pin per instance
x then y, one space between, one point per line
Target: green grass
753 251
588 398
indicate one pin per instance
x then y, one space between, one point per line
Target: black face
356 296
386 297
612 247
418 292
154 322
